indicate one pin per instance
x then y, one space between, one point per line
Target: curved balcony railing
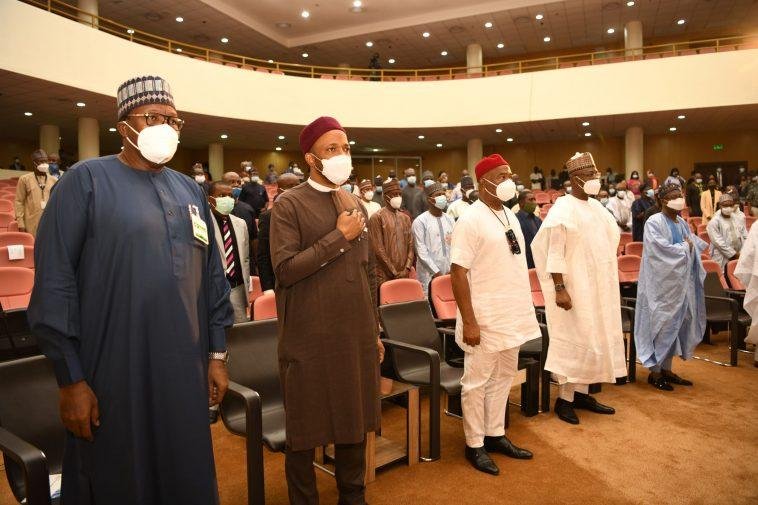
397 75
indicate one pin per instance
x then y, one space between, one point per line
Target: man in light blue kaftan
432 234
670 312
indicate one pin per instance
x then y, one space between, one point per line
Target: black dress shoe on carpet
480 460
504 446
659 383
673 378
565 411
587 402
213 415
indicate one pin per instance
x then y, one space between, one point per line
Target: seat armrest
253 440
446 331
432 356
253 409
629 301
33 463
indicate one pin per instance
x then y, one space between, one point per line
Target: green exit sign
718 147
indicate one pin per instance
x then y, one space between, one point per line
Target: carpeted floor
692 446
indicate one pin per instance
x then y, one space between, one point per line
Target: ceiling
53 103
334 35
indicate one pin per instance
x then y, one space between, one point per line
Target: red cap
315 130
486 164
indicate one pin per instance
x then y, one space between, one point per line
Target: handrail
389 74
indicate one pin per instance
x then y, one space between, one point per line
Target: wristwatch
559 287
221 356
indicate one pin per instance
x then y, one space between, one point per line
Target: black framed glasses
154 119
513 242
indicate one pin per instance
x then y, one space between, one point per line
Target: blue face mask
347 187
440 202
236 192
650 193
428 183
54 169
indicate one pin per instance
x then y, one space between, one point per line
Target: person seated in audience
33 193
674 178
493 294
618 207
747 272
652 180
458 207
603 198
54 160
726 232
329 347
432 233
639 207
253 193
413 201
530 224
583 311
244 212
669 318
409 179
709 199
634 183
130 304
391 237
284 182
366 190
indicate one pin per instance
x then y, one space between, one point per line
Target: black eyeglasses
513 242
153 119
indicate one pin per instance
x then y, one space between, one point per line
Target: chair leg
530 390
632 369
545 390
707 336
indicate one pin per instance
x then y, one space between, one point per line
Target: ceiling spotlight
681 116
80 104
680 22
375 150
224 136
130 31
352 142
357 3
179 19
277 148
488 24
391 61
586 123
425 35
539 17
610 31
369 44
444 53
224 40
439 145
587 134
421 137
305 14
672 129
305 55
178 49
546 39
283 24
500 45
281 137
271 61
498 130
381 161
27 114
509 139
630 3
111 129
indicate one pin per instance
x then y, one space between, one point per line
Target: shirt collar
320 187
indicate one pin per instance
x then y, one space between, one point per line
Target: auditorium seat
734 282
264 307
749 220
400 290
626 237
262 70
629 269
707 50
277 72
356 78
687 52
27 262
566 64
5 220
327 76
6 207
443 301
32 436
13 226
15 288
538 299
728 47
554 197
694 222
704 236
542 198
685 214
16 238
701 228
342 77
633 248
255 288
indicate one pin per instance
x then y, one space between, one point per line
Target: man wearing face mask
244 212
284 182
432 232
567 187
33 193
329 347
692 195
130 304
670 310
575 257
378 196
391 237
366 190
457 190
491 288
410 177
460 206
413 196
198 173
639 207
530 224
253 193
54 160
621 212
709 199
727 232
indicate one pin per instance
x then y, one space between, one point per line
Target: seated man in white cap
726 232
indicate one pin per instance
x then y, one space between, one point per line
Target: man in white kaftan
747 273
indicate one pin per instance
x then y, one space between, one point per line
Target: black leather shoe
480 460
565 411
587 402
673 378
213 415
659 383
505 446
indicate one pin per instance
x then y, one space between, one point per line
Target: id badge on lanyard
199 228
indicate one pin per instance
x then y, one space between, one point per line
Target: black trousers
350 468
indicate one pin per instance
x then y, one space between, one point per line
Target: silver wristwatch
221 356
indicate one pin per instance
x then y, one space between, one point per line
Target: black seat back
254 360
29 410
411 323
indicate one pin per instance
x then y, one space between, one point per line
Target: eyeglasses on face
154 119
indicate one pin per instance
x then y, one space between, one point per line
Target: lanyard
506 226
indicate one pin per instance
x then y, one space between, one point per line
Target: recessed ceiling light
27 114
630 3
283 24
178 49
488 24
224 136
439 145
130 31
500 45
111 129
509 139
381 161
391 61
352 142
681 116
425 35
586 123
421 137
179 19
444 53
224 40
610 31
369 44
271 61
539 17
546 39
305 55
281 137
672 129
80 104
277 148
305 14
357 3
375 150
587 134
498 130
681 22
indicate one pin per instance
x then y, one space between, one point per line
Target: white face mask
727 211
157 144
396 202
43 167
224 205
255 178
504 191
520 188
411 179
199 179
676 204
604 201
621 194
368 195
337 169
468 193
591 187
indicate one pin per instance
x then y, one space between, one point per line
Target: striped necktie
228 249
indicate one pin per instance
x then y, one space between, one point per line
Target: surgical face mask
568 190
520 188
236 192
368 195
428 183
411 179
255 178
504 191
468 193
591 187
396 202
621 194
650 193
677 204
337 168
378 189
224 205
635 176
157 144
43 167
611 191
530 207
347 187
699 181
604 201
199 179
742 170
440 202
727 211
